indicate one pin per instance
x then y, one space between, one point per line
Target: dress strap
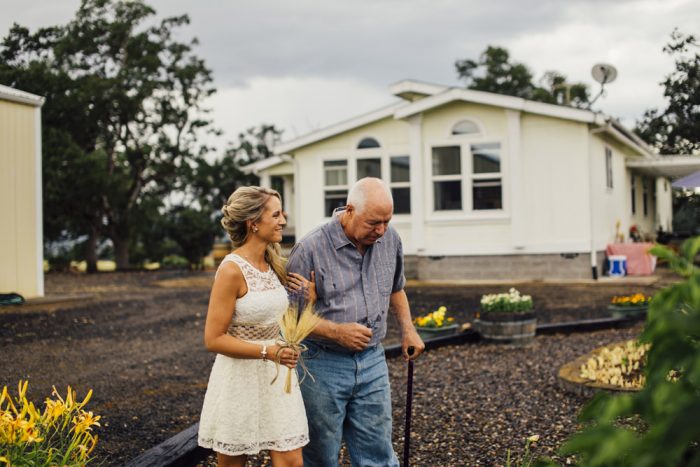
256 280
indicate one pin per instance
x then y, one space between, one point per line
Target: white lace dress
242 412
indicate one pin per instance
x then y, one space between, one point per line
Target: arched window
368 143
465 127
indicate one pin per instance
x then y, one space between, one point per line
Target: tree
211 183
676 130
194 231
127 94
495 72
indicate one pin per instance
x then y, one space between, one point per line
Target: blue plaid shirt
351 287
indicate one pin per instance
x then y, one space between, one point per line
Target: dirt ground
137 342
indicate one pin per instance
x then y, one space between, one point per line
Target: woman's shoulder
229 270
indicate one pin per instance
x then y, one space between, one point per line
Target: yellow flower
85 421
533 438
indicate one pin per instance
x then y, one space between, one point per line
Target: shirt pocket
385 277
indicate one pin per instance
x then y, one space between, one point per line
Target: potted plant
506 317
435 324
629 306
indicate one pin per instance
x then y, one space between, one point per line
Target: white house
484 185
21 237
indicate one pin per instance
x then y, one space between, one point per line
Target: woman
243 413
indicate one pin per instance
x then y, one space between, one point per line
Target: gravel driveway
139 347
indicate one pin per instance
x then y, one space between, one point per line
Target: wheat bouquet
295 326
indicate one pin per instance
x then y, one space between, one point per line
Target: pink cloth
639 261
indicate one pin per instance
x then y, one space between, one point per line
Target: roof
15 95
263 164
667 166
418 97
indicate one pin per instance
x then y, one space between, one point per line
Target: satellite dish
604 73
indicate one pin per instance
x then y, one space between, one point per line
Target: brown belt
255 332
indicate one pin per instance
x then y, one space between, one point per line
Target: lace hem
238 449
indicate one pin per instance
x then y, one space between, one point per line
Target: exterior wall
554 195
507 267
21 256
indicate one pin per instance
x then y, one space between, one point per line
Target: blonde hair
248 204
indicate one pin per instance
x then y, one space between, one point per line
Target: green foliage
194 231
174 262
676 129
122 117
495 72
510 302
686 212
668 407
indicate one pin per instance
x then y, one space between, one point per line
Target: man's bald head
369 210
368 192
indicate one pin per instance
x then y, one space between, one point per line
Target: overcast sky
305 64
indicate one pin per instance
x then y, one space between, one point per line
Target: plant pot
514 328
631 312
432 333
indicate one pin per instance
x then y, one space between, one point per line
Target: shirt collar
338 236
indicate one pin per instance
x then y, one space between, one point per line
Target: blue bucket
617 265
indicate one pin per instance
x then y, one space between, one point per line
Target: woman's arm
229 285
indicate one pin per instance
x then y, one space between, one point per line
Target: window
645 196
633 194
399 183
608 168
369 168
277 184
486 176
465 127
447 178
368 143
336 185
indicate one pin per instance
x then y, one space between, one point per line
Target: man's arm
353 336
409 335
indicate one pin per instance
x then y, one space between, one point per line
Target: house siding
20 197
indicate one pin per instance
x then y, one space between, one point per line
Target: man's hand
353 336
410 338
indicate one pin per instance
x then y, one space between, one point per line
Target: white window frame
392 184
609 184
327 188
467 176
352 155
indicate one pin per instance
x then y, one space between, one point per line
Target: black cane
409 402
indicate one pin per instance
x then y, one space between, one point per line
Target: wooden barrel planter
514 328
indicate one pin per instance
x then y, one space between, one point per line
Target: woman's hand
297 282
287 356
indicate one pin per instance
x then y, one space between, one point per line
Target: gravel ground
139 347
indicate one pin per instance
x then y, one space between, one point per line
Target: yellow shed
21 235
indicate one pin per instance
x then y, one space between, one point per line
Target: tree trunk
121 252
91 250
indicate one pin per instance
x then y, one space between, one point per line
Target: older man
357 260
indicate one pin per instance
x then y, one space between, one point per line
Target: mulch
139 347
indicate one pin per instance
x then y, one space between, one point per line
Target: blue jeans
350 399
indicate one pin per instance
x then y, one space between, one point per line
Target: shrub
510 302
